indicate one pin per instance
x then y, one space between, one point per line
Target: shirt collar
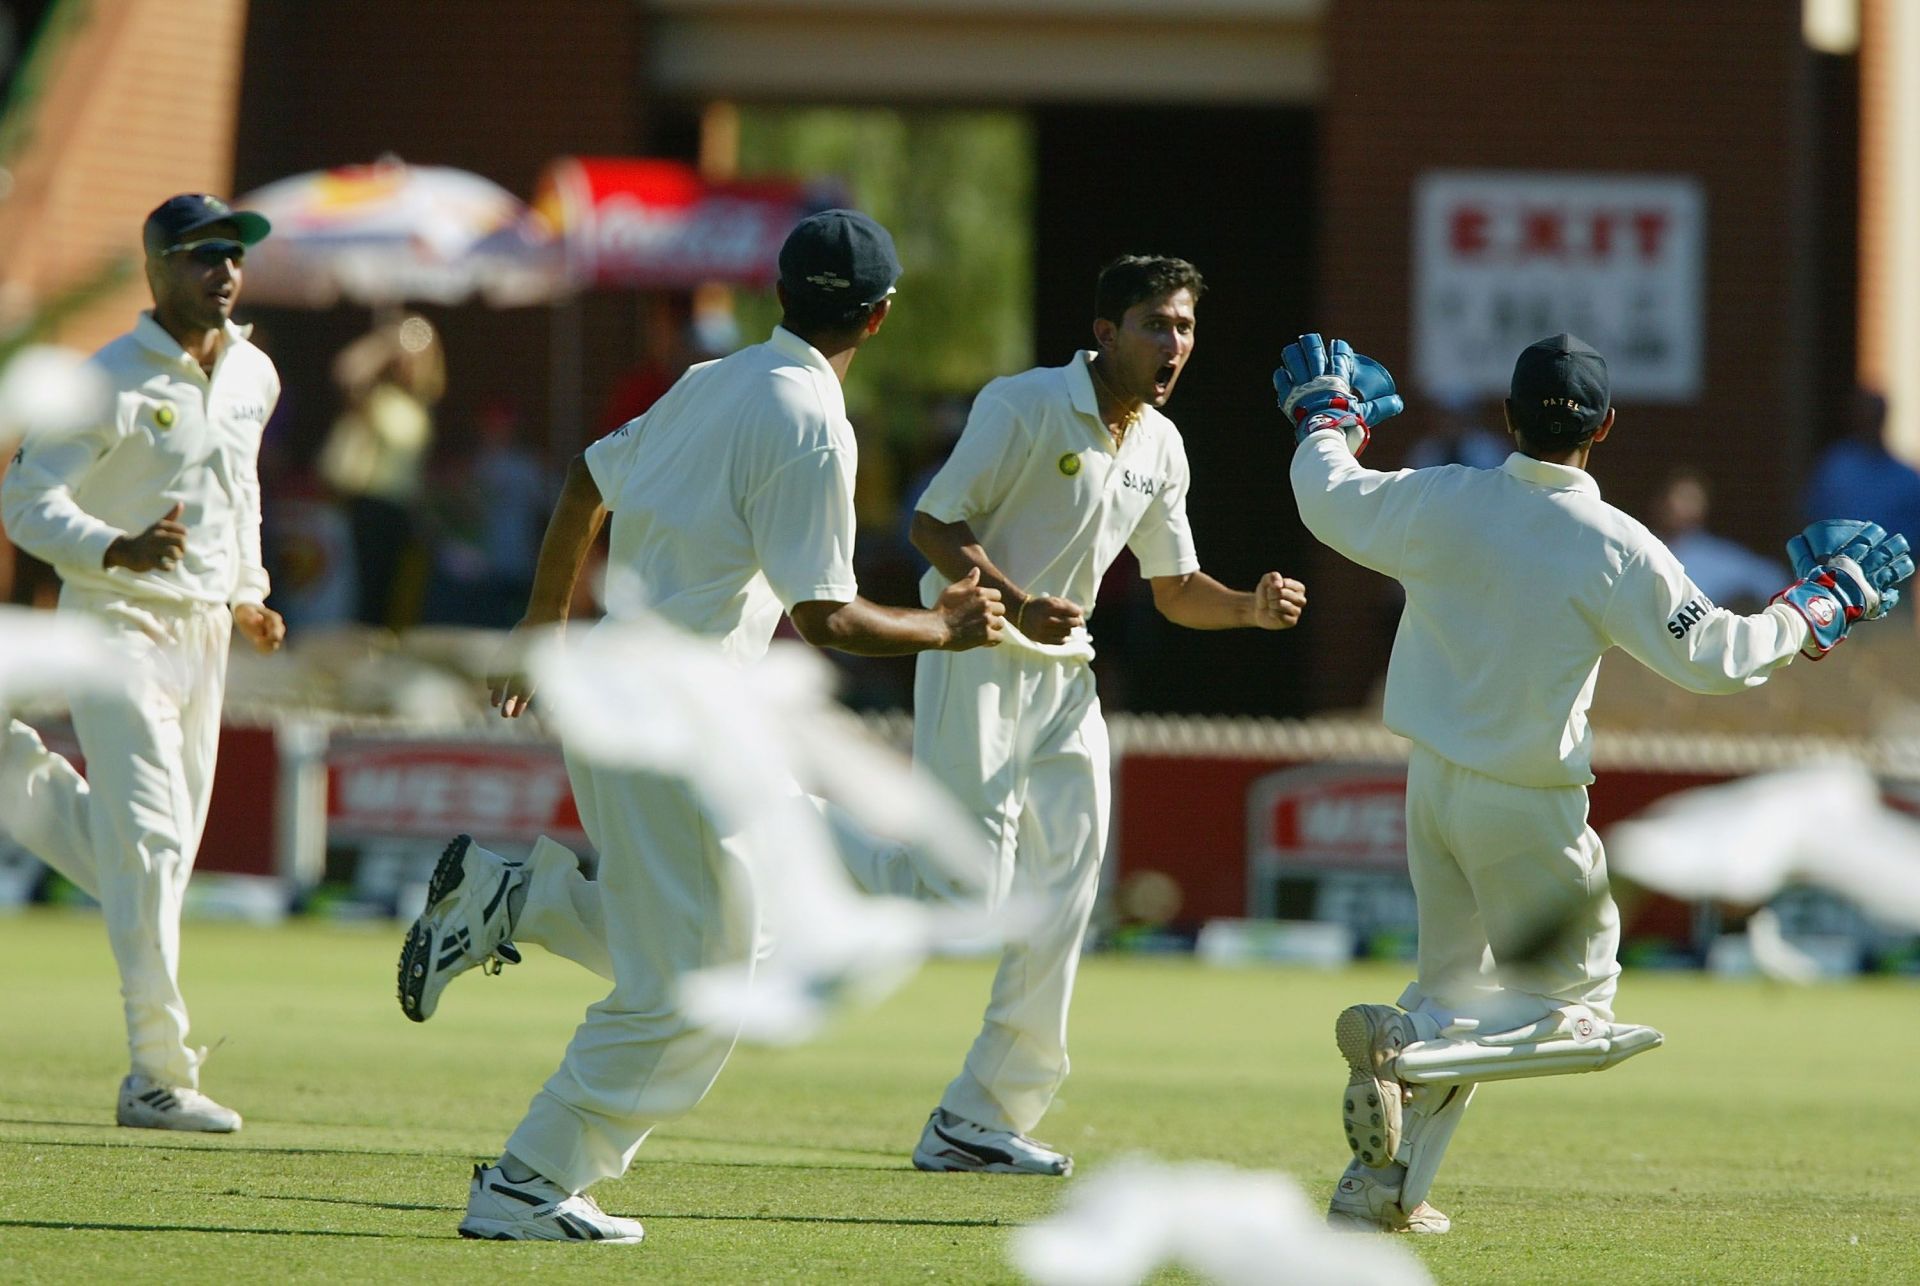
787 343
1561 477
152 336
801 351
1080 385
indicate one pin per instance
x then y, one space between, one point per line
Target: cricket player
1517 580
731 501
1056 470
152 519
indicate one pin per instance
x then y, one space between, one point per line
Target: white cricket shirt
1036 476
732 497
1518 579
176 433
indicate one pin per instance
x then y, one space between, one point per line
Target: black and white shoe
499 1209
467 922
148 1105
954 1143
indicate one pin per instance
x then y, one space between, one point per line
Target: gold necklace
1129 419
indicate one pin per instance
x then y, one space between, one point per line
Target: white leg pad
1567 1040
1431 1118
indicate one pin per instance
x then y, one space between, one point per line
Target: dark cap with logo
839 256
1559 390
177 218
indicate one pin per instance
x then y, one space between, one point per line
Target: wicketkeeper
1517 580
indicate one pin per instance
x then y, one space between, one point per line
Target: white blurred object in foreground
1824 825
48 655
646 696
46 389
1234 1227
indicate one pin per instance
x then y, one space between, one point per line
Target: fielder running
1057 469
1517 581
731 501
152 519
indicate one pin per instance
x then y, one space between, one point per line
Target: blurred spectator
1459 435
309 555
1857 477
389 380
1728 573
491 517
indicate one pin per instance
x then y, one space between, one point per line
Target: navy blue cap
839 255
1559 389
177 218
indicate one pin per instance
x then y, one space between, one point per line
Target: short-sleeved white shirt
1036 476
732 497
1518 580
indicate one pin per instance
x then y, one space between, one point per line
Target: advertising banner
381 789
649 224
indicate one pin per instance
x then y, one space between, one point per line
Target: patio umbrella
387 233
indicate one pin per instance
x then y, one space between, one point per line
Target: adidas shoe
539 1210
1370 1038
466 923
148 1105
1363 1202
954 1143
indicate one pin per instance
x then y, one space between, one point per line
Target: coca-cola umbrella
384 234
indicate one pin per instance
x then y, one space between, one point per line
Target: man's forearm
1199 602
866 628
576 520
953 550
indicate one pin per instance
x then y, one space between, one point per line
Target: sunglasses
210 252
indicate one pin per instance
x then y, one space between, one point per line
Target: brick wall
1717 91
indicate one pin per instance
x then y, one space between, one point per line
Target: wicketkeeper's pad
1565 1041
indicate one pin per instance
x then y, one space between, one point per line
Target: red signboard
657 224
429 789
1330 817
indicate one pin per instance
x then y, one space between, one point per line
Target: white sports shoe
539 1210
954 1143
148 1105
1370 1038
1363 1202
467 922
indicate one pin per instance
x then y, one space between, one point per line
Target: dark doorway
1231 190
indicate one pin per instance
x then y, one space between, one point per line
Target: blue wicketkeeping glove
1322 387
1884 560
1833 595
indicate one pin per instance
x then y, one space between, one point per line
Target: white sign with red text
494 790
1502 258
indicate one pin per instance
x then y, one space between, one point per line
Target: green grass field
1775 1139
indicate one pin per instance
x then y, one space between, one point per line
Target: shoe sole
489 1230
1344 1221
1371 1108
943 1165
178 1129
416 954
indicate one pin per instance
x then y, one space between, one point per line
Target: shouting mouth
1163 379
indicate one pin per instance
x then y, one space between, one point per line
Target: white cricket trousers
671 895
1019 740
128 834
1515 918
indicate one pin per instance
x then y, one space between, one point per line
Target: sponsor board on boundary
383 789
1325 820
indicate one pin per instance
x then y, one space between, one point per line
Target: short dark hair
814 316
1132 279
